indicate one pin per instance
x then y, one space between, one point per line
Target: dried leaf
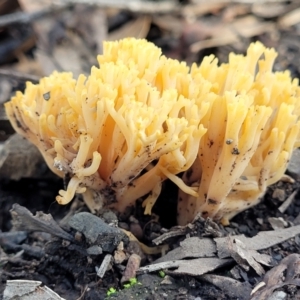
28 290
138 28
23 219
232 288
246 258
287 272
290 19
269 10
191 247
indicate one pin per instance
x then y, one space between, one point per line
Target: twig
148 7
23 17
161 7
283 207
20 76
104 265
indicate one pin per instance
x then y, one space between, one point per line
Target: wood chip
132 266
277 223
262 240
105 265
284 206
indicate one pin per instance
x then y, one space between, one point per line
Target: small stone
260 221
244 229
277 223
119 256
234 225
136 230
134 247
235 272
192 282
13 237
296 221
120 246
78 236
297 240
133 264
89 260
168 280
94 250
279 194
124 225
97 232
108 216
132 219
278 295
182 291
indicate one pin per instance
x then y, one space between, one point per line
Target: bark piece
23 219
262 240
105 265
195 267
245 257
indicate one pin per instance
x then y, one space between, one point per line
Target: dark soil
66 269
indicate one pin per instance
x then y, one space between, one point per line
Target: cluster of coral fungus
141 118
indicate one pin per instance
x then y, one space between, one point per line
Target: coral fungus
141 118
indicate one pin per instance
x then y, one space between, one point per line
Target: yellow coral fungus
120 132
253 127
141 118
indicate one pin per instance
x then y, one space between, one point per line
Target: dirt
65 267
